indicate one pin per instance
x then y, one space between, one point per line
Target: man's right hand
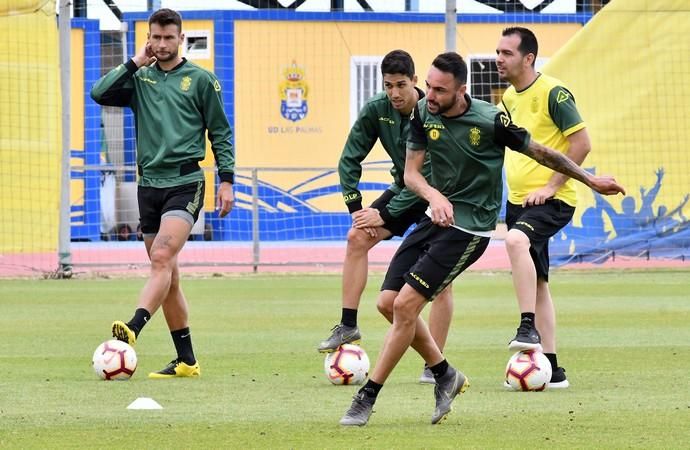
441 210
144 56
362 221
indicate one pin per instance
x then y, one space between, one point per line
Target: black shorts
183 201
431 257
539 223
399 225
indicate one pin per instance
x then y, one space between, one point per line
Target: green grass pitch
624 338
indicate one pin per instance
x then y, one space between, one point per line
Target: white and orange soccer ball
349 364
528 371
114 360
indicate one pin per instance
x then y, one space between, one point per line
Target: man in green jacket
466 140
385 117
175 103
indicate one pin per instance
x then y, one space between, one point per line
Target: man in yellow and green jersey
540 201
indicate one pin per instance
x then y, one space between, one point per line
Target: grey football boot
360 410
341 334
447 388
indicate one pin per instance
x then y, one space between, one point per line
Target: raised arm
578 149
116 87
560 163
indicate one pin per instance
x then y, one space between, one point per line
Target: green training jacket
378 120
172 111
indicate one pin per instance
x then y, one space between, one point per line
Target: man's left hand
367 218
226 199
606 185
539 197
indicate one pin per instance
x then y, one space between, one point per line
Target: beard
168 56
440 108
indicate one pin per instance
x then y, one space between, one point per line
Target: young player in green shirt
175 103
384 117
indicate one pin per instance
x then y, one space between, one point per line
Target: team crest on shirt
434 134
475 136
293 93
185 83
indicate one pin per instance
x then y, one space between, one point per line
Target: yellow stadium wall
30 133
264 49
628 70
77 194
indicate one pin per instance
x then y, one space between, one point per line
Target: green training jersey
173 111
377 120
467 158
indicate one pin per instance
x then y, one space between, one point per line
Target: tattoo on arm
556 161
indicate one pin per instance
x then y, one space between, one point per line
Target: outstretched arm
560 163
578 149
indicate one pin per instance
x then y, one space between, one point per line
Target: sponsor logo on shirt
562 96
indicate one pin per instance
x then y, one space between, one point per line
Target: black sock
553 360
439 369
371 389
141 317
183 344
527 318
349 317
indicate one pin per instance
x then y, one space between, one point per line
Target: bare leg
406 309
522 267
422 336
356 264
546 317
440 316
175 306
163 251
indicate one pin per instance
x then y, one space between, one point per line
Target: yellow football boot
177 368
122 332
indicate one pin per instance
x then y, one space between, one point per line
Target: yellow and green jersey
547 109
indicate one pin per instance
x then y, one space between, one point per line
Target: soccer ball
528 371
349 364
114 360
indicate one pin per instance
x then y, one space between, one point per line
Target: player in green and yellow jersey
540 201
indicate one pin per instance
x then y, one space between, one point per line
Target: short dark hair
165 16
398 61
451 62
528 41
